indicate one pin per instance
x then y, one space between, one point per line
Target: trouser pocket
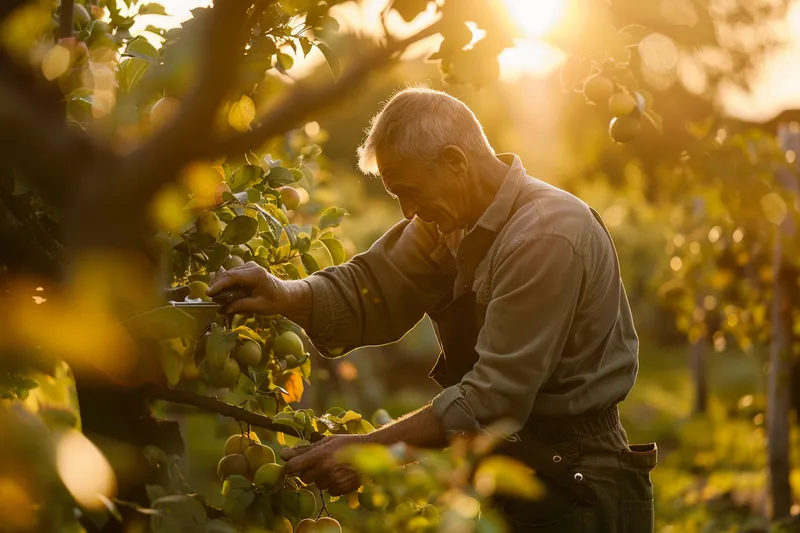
636 489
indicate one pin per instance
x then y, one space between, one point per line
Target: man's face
437 195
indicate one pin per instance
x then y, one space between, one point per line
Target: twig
303 101
67 19
214 405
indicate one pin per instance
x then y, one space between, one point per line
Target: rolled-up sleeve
379 295
535 292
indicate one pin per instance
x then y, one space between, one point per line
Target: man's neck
487 177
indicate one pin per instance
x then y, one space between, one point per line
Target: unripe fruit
290 197
80 16
598 89
327 524
625 128
98 12
240 250
621 104
248 353
232 261
232 464
287 343
281 524
308 503
197 289
209 224
163 110
372 498
240 443
257 456
269 475
227 376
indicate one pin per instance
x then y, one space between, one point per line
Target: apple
232 464
287 343
598 88
210 224
248 353
257 456
290 198
232 261
240 443
269 475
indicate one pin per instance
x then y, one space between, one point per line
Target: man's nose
409 209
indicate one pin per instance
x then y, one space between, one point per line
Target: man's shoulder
543 209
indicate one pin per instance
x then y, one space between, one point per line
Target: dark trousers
619 475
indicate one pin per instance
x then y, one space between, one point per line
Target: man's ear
455 159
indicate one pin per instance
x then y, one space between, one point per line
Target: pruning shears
217 305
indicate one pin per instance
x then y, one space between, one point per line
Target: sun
536 17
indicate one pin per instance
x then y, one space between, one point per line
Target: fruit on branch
308 503
248 353
80 15
621 103
209 224
232 464
241 250
224 377
625 128
197 289
240 443
323 525
281 524
257 456
288 343
372 498
290 197
598 89
232 261
163 110
269 475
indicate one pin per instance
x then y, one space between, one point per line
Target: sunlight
536 17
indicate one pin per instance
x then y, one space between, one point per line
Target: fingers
288 453
301 462
246 275
346 486
244 305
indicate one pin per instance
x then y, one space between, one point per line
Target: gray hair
419 122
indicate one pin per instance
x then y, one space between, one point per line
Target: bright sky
776 88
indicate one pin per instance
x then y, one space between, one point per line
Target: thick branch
303 100
161 157
214 405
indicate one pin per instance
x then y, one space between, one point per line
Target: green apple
281 524
257 456
308 503
290 198
373 498
287 343
232 464
240 443
269 475
209 224
232 261
197 289
248 353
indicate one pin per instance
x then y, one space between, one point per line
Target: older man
522 283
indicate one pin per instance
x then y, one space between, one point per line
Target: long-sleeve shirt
558 337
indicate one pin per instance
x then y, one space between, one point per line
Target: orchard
140 161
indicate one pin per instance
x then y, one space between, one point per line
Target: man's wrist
298 302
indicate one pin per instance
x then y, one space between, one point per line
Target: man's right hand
268 294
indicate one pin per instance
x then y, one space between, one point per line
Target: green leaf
303 242
235 481
177 513
306 45
152 9
253 195
336 249
280 176
218 255
331 217
240 230
244 177
310 263
171 363
167 322
330 57
131 72
143 49
154 492
285 61
219 345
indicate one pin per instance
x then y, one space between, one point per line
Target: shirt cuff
453 412
321 325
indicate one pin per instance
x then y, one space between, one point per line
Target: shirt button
465 285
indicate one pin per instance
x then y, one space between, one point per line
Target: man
522 282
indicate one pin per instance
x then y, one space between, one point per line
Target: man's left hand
318 464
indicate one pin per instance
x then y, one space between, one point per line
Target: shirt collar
496 215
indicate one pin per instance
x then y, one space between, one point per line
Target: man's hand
268 294
317 464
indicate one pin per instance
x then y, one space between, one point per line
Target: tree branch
303 100
213 405
67 19
160 158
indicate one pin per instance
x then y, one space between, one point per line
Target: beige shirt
558 337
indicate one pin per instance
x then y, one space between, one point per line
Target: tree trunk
697 358
783 305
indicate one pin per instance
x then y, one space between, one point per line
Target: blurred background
702 210
700 396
